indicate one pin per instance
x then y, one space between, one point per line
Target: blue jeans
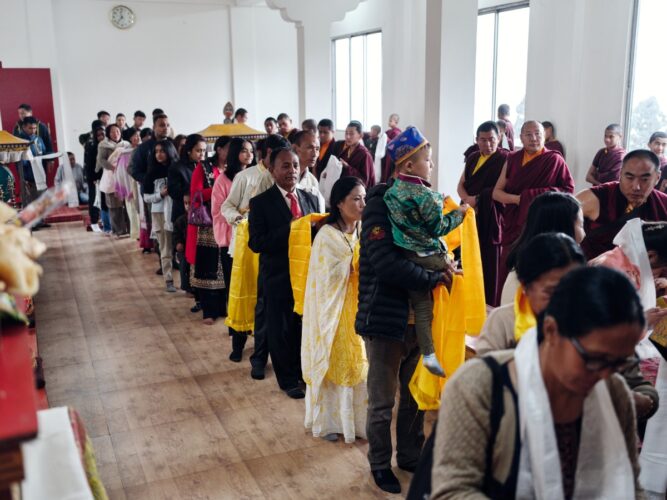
106 221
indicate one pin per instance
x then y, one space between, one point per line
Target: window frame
630 83
349 37
496 11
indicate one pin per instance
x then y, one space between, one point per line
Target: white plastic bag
329 176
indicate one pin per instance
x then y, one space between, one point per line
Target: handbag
199 213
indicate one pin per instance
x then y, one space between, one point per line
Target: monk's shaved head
532 136
614 128
643 154
532 123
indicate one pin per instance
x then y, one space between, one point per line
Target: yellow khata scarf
524 318
299 246
480 163
456 314
243 283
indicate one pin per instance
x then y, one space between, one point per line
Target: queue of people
551 405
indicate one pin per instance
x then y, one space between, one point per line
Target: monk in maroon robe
550 141
357 160
481 172
556 146
527 173
609 206
504 115
392 133
658 144
606 166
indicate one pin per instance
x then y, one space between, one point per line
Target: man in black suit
270 216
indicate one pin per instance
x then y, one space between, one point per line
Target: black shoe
146 250
159 272
196 308
257 372
297 393
238 343
408 468
386 480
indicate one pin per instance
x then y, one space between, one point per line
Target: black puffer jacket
385 275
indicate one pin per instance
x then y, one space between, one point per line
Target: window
647 94
501 62
357 80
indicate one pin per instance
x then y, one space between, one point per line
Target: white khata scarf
603 466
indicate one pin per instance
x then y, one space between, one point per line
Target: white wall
264 61
577 72
187 58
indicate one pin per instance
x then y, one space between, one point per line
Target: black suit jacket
269 222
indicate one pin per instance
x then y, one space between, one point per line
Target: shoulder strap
496 413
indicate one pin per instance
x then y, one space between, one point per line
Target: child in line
180 233
418 223
606 166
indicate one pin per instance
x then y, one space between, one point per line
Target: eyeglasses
597 363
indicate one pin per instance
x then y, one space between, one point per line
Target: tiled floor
169 415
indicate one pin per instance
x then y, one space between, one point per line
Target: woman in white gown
333 357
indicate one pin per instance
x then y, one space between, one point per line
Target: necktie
294 205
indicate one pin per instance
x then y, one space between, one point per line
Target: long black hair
550 212
341 188
220 142
546 252
233 164
190 142
158 170
589 298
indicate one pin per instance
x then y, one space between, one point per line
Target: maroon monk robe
468 152
509 133
360 164
608 163
546 172
555 146
601 232
489 217
387 164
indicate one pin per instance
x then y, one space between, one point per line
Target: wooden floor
169 415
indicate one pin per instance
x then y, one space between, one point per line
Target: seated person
531 412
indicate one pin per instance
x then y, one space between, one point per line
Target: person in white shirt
307 149
77 173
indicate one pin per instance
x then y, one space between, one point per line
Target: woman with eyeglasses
551 419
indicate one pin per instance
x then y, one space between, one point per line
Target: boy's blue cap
406 144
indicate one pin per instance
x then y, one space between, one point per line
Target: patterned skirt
207 272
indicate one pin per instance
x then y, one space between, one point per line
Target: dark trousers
184 270
211 302
260 356
391 363
283 335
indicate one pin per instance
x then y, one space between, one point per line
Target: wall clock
122 17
